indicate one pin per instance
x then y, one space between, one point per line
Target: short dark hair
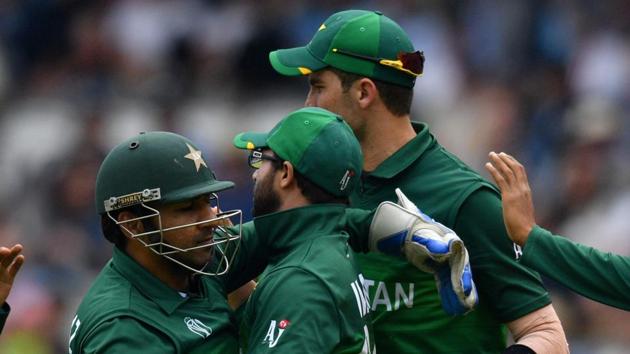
396 98
111 230
312 192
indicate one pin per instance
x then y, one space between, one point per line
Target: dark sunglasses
256 159
410 63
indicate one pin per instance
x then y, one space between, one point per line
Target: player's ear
125 218
287 174
365 92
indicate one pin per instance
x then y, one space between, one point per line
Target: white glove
402 228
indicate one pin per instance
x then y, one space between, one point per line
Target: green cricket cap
362 42
318 143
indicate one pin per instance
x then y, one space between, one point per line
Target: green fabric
310 299
250 260
408 316
127 305
495 260
164 161
367 33
4 313
600 276
318 143
358 227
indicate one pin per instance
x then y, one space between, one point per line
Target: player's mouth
206 240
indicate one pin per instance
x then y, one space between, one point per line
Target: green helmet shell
154 166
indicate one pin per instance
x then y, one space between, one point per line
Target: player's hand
10 262
432 247
518 208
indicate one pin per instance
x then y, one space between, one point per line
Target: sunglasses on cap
256 159
410 63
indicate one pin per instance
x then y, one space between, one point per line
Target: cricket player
603 277
362 65
11 261
158 202
311 298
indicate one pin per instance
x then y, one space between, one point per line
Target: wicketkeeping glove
402 229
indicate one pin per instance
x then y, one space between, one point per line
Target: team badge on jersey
275 331
198 327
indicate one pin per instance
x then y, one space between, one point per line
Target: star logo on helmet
195 155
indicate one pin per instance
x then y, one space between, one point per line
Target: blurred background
547 81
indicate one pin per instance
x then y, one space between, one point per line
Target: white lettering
367 347
403 294
74 327
367 284
381 297
357 297
518 251
400 294
270 332
363 302
270 337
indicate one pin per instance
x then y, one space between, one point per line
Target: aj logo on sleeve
275 331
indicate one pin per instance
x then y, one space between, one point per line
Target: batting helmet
160 168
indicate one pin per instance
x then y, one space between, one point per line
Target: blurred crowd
547 81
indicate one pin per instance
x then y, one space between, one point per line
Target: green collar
146 283
406 155
286 229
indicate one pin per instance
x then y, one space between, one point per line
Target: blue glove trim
434 246
467 280
450 302
392 244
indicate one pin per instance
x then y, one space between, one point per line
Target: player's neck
383 137
168 272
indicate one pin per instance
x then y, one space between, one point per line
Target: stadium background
548 81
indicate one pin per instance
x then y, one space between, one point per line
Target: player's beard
266 200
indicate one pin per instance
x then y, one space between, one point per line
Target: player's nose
309 102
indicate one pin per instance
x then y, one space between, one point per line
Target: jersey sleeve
509 288
125 335
292 312
357 225
601 276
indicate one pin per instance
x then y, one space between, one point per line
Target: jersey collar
284 230
406 155
146 283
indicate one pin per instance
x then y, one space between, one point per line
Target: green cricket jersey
408 317
4 313
129 310
311 297
603 277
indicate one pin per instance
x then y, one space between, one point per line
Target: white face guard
225 243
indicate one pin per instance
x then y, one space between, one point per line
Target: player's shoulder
321 263
109 293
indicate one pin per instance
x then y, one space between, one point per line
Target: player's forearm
601 276
541 331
